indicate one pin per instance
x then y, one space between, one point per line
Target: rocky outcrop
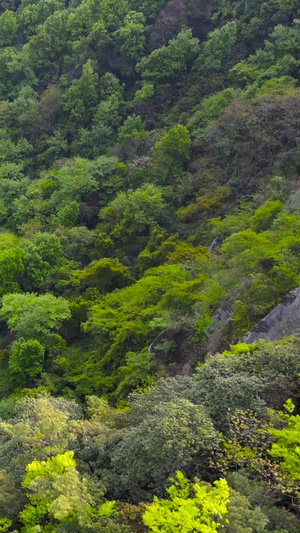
219 330
293 204
215 244
283 321
170 348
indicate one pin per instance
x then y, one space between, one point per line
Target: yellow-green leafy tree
197 508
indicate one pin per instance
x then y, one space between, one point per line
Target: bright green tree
113 13
33 15
130 37
42 256
150 9
34 317
45 49
211 107
146 91
40 427
59 495
56 492
81 98
169 60
26 360
134 213
8 27
265 214
218 45
73 182
132 128
104 274
67 215
287 445
11 266
170 155
107 117
81 20
5 524
189 509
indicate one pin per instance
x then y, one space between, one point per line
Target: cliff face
283 321
171 349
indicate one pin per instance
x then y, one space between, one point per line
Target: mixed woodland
149 176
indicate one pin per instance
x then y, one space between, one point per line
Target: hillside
149 220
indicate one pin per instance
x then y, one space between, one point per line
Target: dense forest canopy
149 218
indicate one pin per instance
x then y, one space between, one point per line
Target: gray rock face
171 348
215 244
218 330
293 204
283 321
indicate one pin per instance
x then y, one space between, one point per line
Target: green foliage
241 517
195 509
145 92
34 317
11 266
77 242
150 9
279 57
170 154
264 215
245 380
81 98
175 143
75 182
130 37
134 316
40 427
268 256
133 127
134 213
249 448
217 47
106 119
211 107
67 215
170 60
5 524
26 359
286 446
171 436
104 274
55 490
203 204
149 214
42 256
8 27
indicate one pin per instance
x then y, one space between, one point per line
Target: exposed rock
168 24
219 329
215 244
283 321
293 204
171 349
248 282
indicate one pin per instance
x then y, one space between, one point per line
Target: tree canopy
149 266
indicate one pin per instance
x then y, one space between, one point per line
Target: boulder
283 321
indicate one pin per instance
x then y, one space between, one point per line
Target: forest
149 219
